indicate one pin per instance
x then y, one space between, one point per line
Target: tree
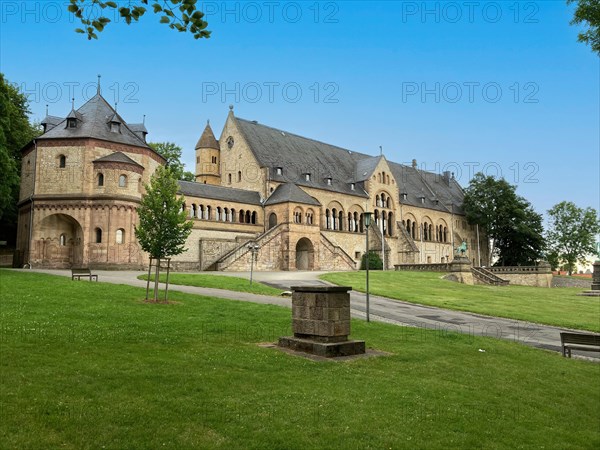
15 132
572 233
180 15
163 227
375 262
514 228
172 153
588 12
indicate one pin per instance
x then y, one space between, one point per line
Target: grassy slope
88 365
217 282
555 306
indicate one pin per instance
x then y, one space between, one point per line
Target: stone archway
58 242
305 255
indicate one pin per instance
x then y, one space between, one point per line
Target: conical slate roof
208 140
94 122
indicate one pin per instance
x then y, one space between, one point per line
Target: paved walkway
381 309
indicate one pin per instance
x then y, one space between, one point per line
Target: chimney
414 163
446 177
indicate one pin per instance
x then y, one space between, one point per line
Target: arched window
208 212
120 236
356 224
98 236
445 234
272 220
239 176
334 225
350 222
123 181
341 220
226 215
327 221
253 217
232 216
201 212
310 217
414 230
229 178
62 240
194 211
242 216
218 216
377 200
425 232
390 224
62 161
100 179
431 237
247 217
408 225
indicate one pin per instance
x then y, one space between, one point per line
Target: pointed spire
208 140
99 76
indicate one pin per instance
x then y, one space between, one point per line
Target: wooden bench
83 272
579 341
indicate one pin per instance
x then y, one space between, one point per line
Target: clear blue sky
500 86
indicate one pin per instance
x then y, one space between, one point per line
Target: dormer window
423 200
352 186
71 122
279 170
115 127
404 196
307 176
329 181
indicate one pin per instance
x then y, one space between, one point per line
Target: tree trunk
156 278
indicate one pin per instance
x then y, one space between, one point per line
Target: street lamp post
253 249
367 217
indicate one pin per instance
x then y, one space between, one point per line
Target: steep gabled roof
117 157
201 190
51 121
94 122
298 155
289 192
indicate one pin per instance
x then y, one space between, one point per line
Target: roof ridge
254 122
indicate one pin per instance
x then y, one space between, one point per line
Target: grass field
216 282
553 306
90 365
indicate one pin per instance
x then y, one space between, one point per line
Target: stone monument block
321 322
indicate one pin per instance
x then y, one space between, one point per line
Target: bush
375 262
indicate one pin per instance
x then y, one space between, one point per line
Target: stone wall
538 276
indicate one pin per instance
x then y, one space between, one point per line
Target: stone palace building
299 201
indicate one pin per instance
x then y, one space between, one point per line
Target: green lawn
217 282
90 365
552 306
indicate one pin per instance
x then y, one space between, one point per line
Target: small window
120 236
72 123
229 178
214 159
197 159
352 186
239 176
329 181
123 181
63 239
98 236
356 255
230 141
62 161
307 176
115 127
100 179
279 170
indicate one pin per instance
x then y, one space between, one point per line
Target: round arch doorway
305 255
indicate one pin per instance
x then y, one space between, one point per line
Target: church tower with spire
208 158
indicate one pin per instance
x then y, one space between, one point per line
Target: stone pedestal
321 322
460 270
596 277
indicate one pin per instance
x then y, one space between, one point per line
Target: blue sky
464 86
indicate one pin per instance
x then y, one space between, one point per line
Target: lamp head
367 216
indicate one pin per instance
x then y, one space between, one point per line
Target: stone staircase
484 276
241 250
407 237
338 252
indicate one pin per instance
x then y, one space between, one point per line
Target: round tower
208 158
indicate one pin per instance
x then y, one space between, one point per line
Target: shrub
375 262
